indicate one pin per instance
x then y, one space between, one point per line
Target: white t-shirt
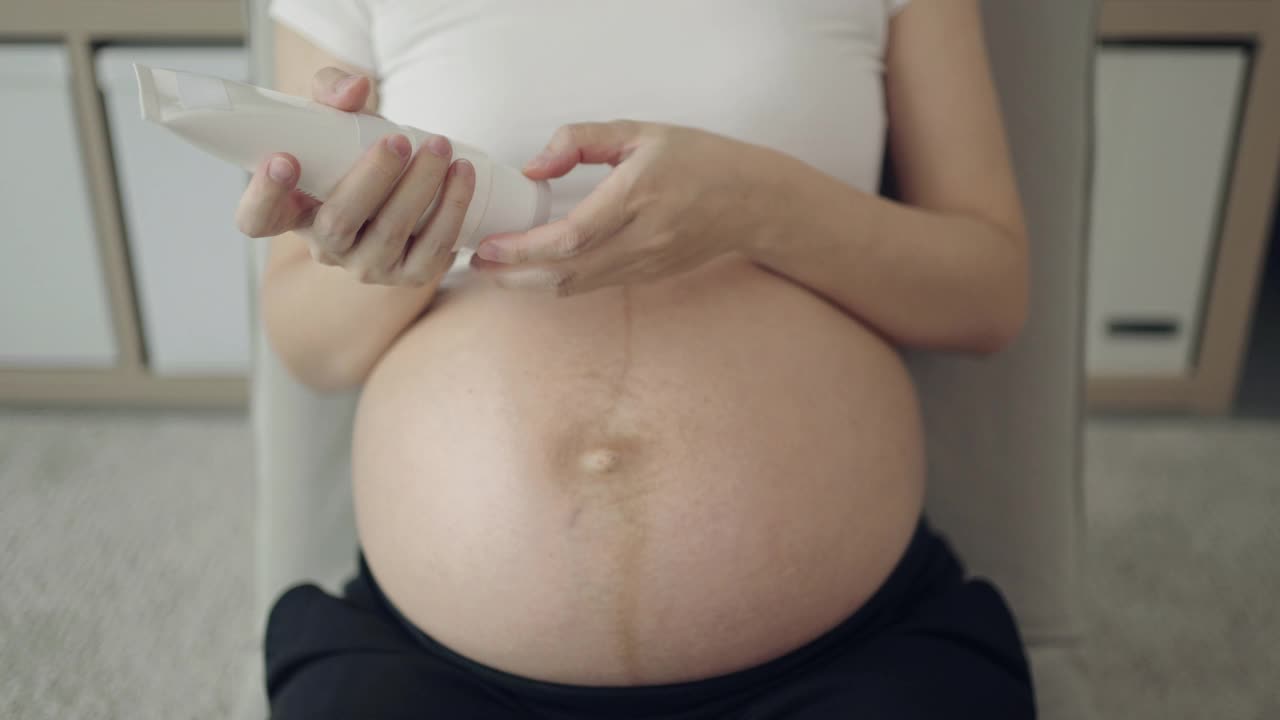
801 76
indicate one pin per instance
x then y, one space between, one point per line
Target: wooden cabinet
54 310
1245 196
124 376
1166 120
190 269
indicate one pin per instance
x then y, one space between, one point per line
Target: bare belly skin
641 485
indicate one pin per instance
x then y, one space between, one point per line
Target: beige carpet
126 547
1184 568
125 567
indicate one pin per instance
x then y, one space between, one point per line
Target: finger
612 264
556 279
358 195
397 219
600 215
562 279
591 143
269 206
342 90
432 250
602 267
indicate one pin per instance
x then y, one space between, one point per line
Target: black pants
928 644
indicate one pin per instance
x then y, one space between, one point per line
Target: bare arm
947 267
330 321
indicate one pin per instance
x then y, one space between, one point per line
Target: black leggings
928 644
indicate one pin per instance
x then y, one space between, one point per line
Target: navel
599 461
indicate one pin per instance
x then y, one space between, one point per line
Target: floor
126 550
1184 568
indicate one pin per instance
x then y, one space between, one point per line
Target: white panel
1166 123
53 298
189 262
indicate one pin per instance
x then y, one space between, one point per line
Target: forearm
922 278
328 328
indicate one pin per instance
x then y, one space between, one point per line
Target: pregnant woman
658 458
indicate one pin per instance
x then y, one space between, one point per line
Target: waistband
926 566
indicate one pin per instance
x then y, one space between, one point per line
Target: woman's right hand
366 225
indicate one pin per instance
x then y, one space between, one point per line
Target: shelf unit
82 25
1237 258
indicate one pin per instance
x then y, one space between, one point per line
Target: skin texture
344 279
676 412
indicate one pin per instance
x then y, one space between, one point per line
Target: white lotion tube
243 124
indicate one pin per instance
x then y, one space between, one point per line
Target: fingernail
399 145
463 169
491 250
346 83
280 170
439 146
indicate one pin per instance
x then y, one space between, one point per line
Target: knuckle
333 225
250 224
368 274
323 256
415 278
386 231
458 201
564 286
442 255
658 243
401 234
573 240
567 134
380 165
562 283
387 261
659 141
386 168
392 266
447 255
324 225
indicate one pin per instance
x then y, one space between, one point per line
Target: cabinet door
53 298
190 265
1166 118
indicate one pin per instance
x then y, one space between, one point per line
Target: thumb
591 143
339 89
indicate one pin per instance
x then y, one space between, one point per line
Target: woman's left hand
676 198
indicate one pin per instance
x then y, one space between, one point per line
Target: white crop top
801 76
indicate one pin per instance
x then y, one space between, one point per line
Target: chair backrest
1004 433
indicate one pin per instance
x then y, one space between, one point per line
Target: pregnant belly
643 485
